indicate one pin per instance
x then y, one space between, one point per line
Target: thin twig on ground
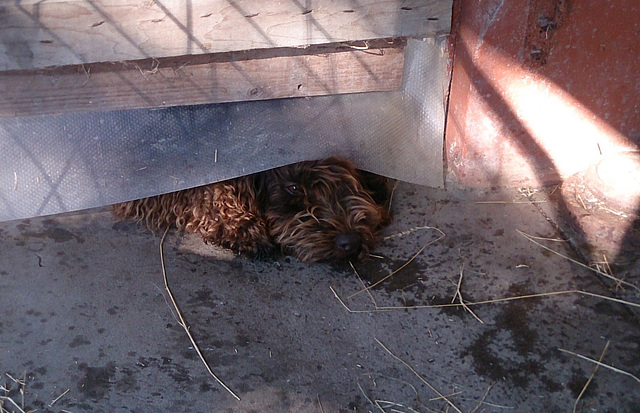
486 393
597 271
422 379
593 373
377 402
459 295
495 301
393 191
363 285
183 323
21 384
54 401
320 403
510 202
10 400
392 273
367 397
606 268
606 366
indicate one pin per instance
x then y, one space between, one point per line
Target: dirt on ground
87 323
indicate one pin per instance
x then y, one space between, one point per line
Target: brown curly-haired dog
322 210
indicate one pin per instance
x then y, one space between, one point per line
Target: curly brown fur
316 211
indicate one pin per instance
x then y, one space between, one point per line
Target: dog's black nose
348 243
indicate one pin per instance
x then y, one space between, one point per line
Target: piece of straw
422 379
606 366
183 323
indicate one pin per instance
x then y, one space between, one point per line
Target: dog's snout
348 243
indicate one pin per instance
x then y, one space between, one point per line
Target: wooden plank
37 34
216 78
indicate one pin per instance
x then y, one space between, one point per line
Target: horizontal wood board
37 34
216 78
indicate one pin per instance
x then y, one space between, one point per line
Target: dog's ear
379 187
260 182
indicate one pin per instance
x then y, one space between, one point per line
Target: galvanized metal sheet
53 164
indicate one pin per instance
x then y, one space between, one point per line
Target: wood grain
214 78
37 34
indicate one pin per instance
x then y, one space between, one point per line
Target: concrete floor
85 315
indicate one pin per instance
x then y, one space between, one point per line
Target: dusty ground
84 314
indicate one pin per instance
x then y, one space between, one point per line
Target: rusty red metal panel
541 89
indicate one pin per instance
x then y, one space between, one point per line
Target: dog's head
323 210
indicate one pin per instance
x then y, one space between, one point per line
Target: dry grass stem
582 202
606 366
87 72
10 400
495 301
19 381
385 404
154 69
486 393
510 202
21 384
520 297
593 373
320 403
524 193
377 402
393 191
433 399
368 399
422 379
459 295
54 401
606 265
392 273
527 191
606 268
545 238
498 406
412 230
183 323
363 285
335 294
604 274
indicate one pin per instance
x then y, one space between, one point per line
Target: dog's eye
294 189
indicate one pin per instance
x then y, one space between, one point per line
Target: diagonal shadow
307 11
514 128
117 27
186 29
249 18
53 184
35 18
